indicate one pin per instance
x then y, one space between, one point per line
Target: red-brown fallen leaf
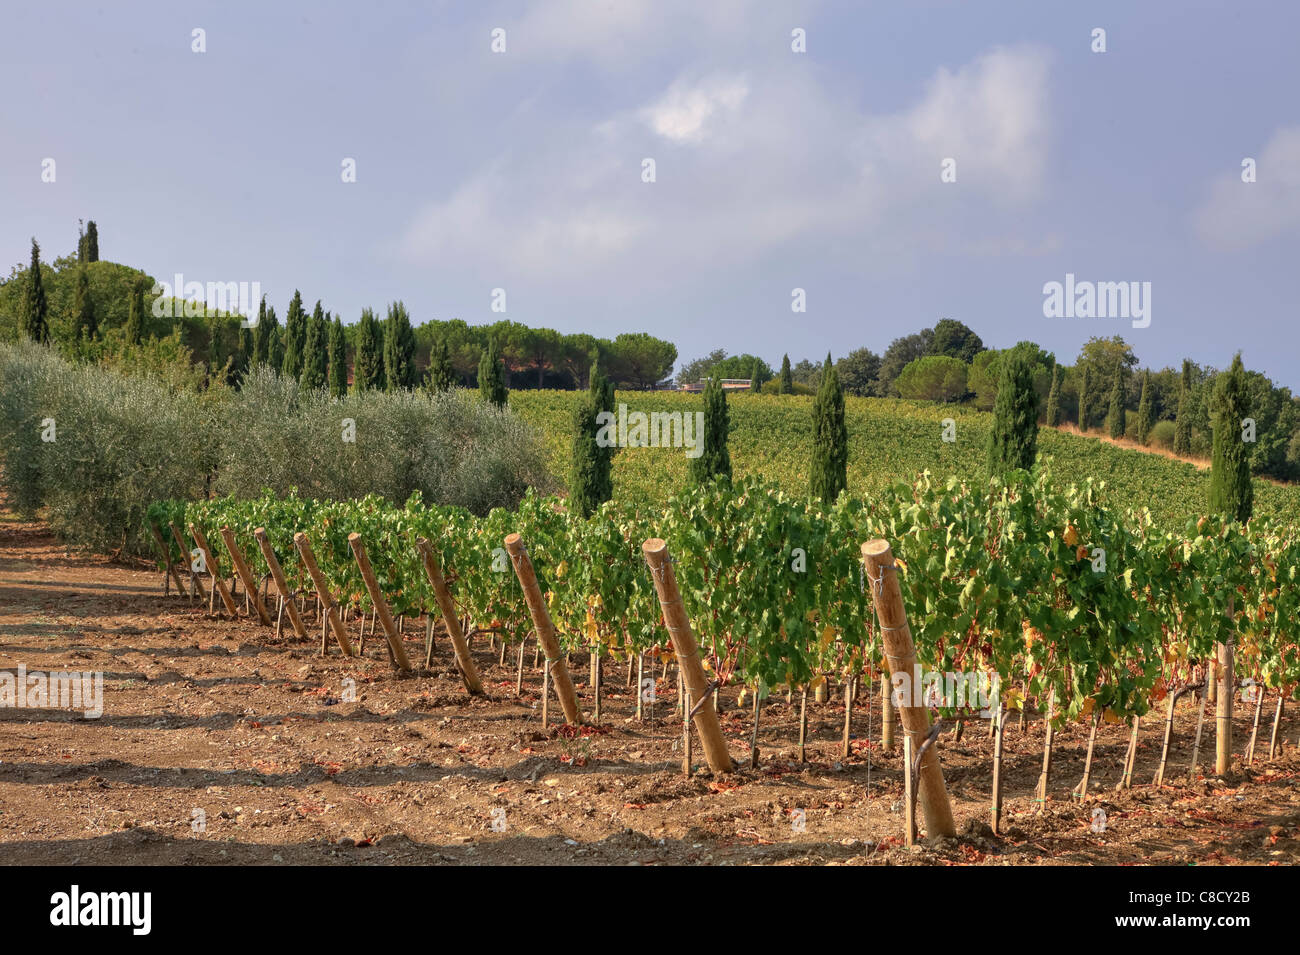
634 805
722 786
329 767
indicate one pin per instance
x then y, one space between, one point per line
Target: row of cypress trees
1116 424
313 348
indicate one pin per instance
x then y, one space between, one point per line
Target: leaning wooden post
1082 791
1254 730
1277 720
909 794
900 657
167 557
381 605
688 655
468 671
1131 758
555 661
322 590
281 584
246 575
214 571
189 564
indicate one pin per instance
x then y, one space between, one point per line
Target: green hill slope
889 440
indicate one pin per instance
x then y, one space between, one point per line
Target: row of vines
1059 595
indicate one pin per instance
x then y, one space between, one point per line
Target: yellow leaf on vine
828 636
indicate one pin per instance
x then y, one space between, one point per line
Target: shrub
1162 435
933 378
123 442
120 443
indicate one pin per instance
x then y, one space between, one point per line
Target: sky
774 169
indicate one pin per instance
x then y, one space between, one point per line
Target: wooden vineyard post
1277 721
1200 724
213 570
803 725
1169 730
195 583
688 655
1001 718
900 657
281 584
167 558
1223 709
246 575
909 794
687 707
1254 730
1087 762
1041 794
555 661
1131 757
468 671
848 717
886 712
322 589
381 605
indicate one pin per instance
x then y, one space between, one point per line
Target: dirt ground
220 744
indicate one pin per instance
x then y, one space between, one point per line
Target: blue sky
774 170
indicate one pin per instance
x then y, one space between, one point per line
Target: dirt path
219 744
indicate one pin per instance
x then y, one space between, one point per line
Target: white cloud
774 160
681 114
1238 214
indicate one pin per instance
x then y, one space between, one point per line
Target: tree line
103 311
1104 391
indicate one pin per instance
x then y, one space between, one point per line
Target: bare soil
214 720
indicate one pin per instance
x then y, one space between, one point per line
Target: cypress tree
753 377
368 366
830 461
1115 415
787 377
315 356
338 348
135 313
491 375
399 349
295 337
441 376
92 241
1231 492
591 480
715 459
35 322
1013 442
84 308
1054 399
244 359
1143 428
1085 399
1183 423
274 339
261 335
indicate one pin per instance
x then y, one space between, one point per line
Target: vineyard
889 439
1084 612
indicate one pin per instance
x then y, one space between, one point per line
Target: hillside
889 440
